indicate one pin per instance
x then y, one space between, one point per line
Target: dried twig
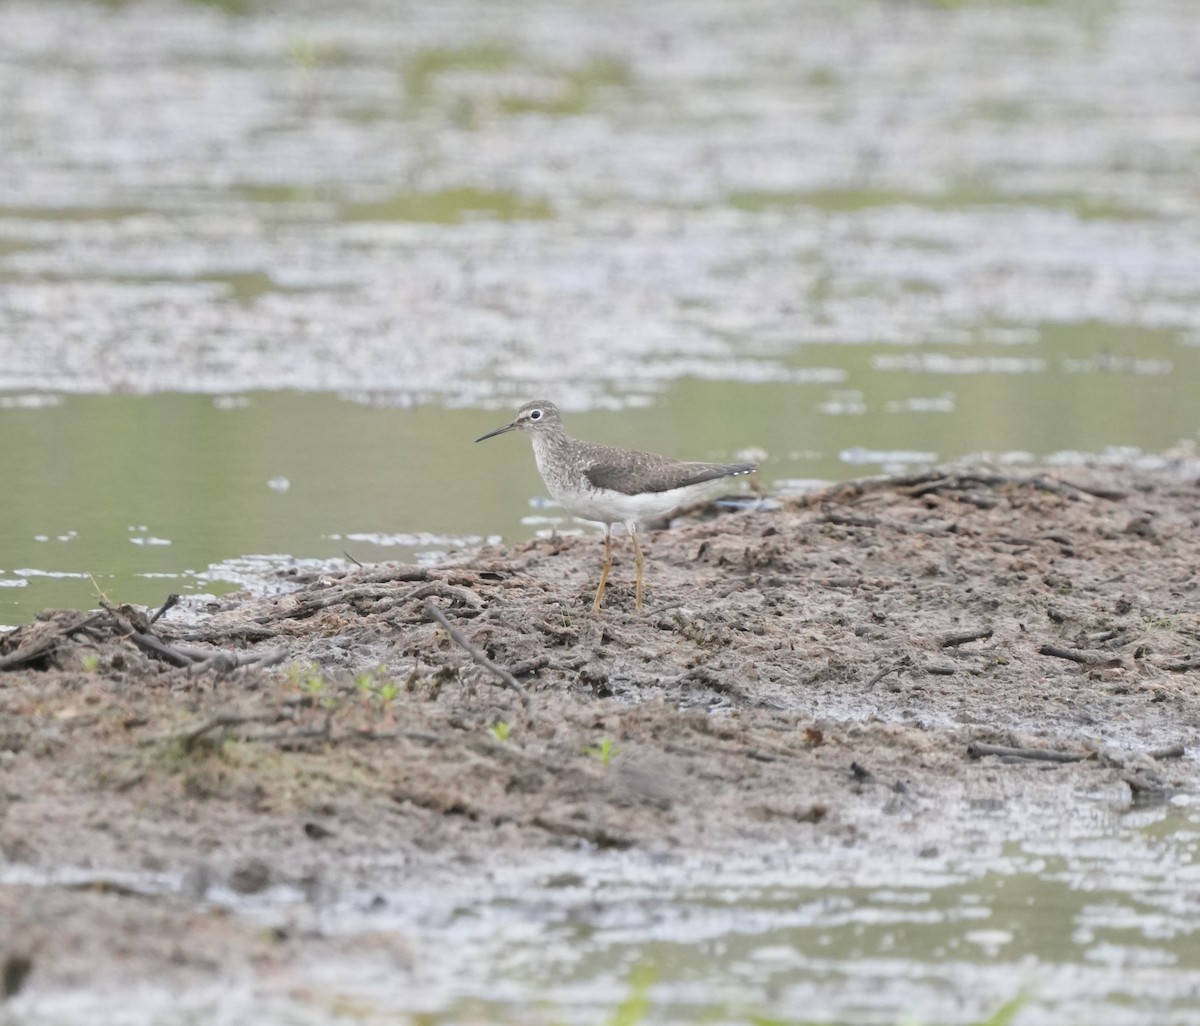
898 664
846 520
1100 492
1075 656
978 749
223 663
146 642
464 596
83 625
44 643
600 836
307 604
42 646
954 640
170 602
188 738
930 486
1146 788
194 660
1184 665
460 639
1169 752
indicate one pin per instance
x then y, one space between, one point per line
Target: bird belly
608 507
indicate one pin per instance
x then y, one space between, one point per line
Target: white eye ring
535 414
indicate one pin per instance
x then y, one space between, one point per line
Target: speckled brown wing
631 473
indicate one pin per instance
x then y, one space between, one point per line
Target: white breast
614 507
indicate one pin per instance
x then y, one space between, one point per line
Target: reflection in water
946 939
1097 920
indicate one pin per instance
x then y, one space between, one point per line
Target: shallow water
141 496
1088 920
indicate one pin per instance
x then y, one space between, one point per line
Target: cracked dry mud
808 676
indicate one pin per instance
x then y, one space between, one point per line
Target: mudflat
879 664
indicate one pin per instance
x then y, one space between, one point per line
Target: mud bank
821 676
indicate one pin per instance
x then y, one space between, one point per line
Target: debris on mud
904 647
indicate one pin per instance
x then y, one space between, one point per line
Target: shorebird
611 485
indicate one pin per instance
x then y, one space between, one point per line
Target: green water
140 496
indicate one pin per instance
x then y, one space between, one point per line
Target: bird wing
653 473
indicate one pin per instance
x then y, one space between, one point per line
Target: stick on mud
899 664
954 640
460 639
978 749
170 602
1083 658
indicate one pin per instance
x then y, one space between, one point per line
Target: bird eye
535 414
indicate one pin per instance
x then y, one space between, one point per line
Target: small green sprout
501 730
605 751
91 663
388 691
296 672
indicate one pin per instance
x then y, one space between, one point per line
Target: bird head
534 417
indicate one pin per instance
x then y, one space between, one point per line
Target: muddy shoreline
809 677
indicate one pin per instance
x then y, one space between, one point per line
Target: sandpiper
610 485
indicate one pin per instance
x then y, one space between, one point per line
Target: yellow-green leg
607 567
641 563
